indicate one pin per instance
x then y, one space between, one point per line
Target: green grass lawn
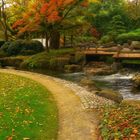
27 110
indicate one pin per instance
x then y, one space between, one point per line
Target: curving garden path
75 123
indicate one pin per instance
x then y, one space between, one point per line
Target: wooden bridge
127 56
114 54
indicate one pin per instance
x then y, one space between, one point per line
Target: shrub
79 58
130 36
1 43
110 59
22 47
14 47
105 39
27 52
32 45
55 60
85 39
58 63
12 61
2 54
5 46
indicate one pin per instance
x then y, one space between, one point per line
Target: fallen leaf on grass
17 109
26 138
10 138
27 111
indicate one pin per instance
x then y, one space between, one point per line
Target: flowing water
117 82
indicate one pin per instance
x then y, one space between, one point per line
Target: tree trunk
55 39
119 49
4 21
5 33
46 42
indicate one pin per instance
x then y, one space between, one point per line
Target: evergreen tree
116 27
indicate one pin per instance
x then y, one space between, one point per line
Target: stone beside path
76 121
88 99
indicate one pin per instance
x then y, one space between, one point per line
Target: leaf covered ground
27 110
120 122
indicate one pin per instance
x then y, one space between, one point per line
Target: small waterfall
118 82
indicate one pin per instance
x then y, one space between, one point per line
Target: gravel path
76 121
88 99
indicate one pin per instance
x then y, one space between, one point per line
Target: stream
117 82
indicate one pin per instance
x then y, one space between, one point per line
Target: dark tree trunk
55 40
64 45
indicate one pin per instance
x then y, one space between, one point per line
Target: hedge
130 36
22 47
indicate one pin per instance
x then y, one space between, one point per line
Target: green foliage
116 25
104 13
2 54
84 39
110 60
1 43
5 46
137 62
105 39
112 17
130 36
28 52
18 47
12 61
120 122
79 58
60 52
54 60
27 110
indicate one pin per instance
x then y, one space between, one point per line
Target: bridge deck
122 55
128 56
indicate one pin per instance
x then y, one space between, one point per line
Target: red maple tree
44 15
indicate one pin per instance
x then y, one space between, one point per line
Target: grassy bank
27 110
54 60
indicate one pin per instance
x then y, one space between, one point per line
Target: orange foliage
85 3
18 23
44 11
94 32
